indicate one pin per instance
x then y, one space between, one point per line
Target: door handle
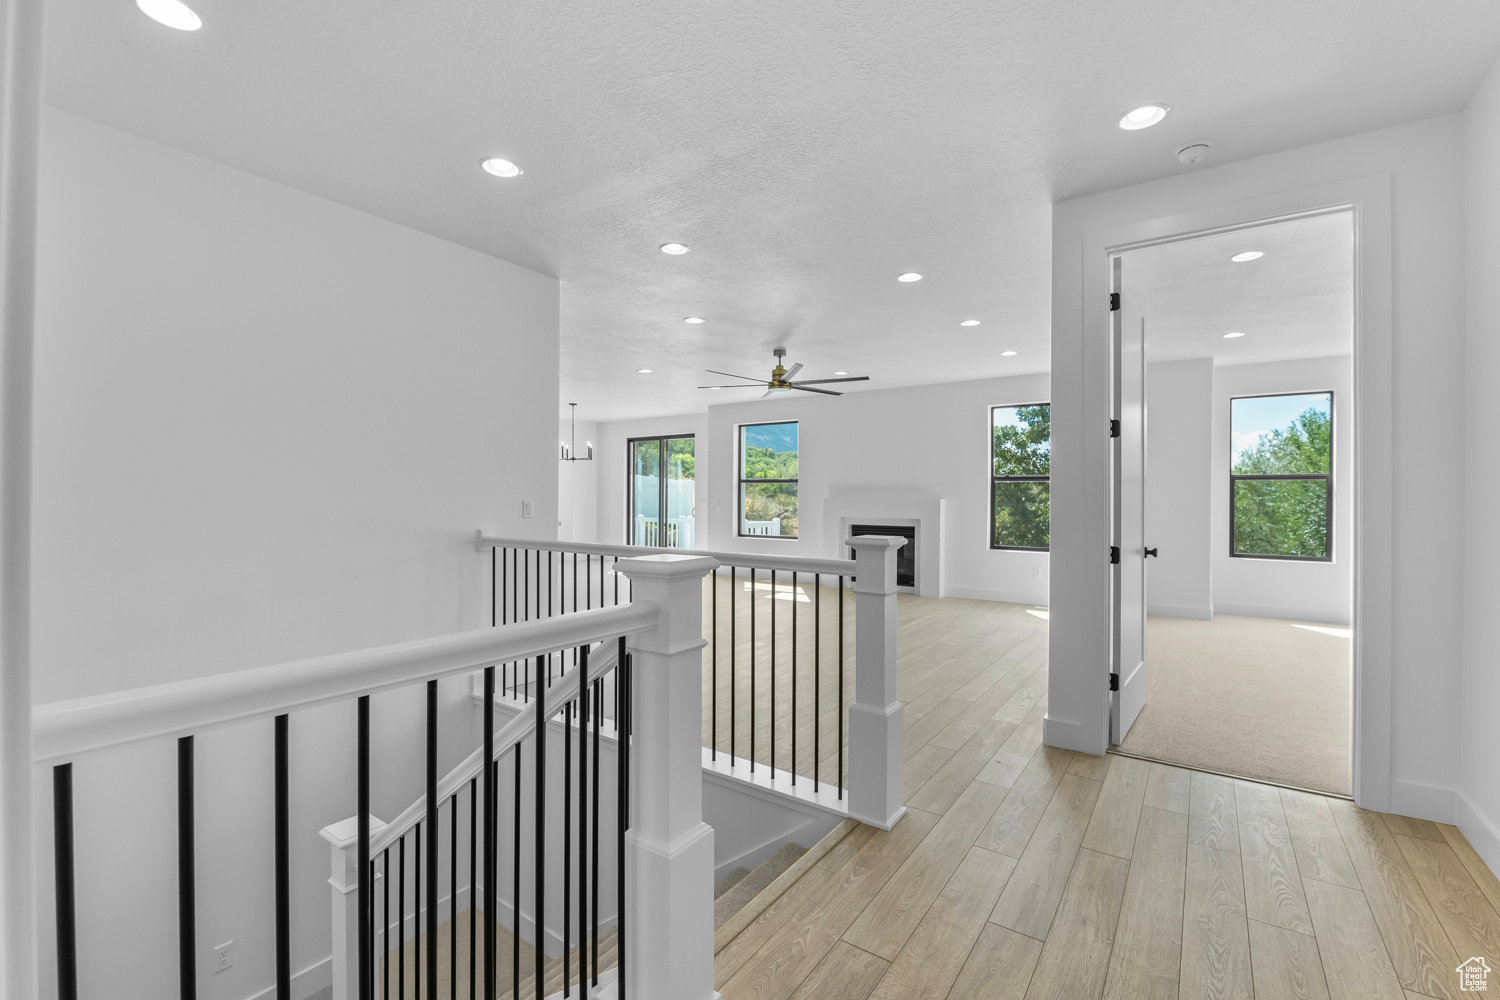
1149 552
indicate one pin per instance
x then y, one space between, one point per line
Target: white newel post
669 865
875 716
344 836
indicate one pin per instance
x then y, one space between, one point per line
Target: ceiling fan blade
751 378
826 392
825 381
756 385
793 373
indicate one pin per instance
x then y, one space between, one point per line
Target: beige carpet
1255 697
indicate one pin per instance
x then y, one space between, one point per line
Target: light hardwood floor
1022 872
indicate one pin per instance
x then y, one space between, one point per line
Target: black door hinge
1114 428
1114 682
1114 301
1114 555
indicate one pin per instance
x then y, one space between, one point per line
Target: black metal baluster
492 586
401 919
583 811
622 761
540 923
817 676
526 584
594 904
616 568
588 580
549 587
795 613
432 839
284 859
187 920
567 845
489 833
453 896
839 774
473 857
773 677
416 913
362 797
515 615
713 672
62 874
752 669
385 922
515 883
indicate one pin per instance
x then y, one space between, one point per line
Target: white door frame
1078 695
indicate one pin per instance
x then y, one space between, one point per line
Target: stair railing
786 695
664 929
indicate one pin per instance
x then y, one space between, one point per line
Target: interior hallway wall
267 427
1279 588
1424 162
1479 706
1179 440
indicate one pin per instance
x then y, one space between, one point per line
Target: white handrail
562 691
757 560
66 730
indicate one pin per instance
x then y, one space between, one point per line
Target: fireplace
906 555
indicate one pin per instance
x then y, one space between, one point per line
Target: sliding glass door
662 502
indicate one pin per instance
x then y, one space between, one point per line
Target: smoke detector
1194 151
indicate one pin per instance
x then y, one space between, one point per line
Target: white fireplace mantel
877 505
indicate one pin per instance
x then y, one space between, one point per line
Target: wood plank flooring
1023 872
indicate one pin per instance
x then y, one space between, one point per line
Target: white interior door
1128 664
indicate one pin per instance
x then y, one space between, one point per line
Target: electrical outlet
223 956
526 508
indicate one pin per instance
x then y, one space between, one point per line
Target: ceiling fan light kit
781 379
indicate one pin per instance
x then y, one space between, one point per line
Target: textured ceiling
807 152
1295 302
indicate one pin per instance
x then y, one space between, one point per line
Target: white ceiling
808 152
1295 302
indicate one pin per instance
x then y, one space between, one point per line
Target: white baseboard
1003 596
1180 611
1413 798
1070 736
1482 832
318 976
1291 614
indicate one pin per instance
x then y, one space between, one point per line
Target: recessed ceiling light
1007 354
172 13
969 322
1143 117
909 276
643 371
675 248
500 167
1231 336
1240 258
841 373
695 320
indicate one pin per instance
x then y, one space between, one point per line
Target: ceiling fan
781 379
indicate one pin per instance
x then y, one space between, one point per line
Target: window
1021 467
768 479
662 502
1281 476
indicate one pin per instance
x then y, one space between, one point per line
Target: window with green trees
1281 476
768 479
1021 467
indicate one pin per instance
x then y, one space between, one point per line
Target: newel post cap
876 541
665 566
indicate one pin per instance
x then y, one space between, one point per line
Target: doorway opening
662 482
1233 501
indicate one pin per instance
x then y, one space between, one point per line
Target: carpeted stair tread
729 881
747 886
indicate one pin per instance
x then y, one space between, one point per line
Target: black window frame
739 492
661 480
994 479
1236 478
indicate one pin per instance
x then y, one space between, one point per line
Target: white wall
267 427
1479 783
578 486
1425 167
1276 588
1179 440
